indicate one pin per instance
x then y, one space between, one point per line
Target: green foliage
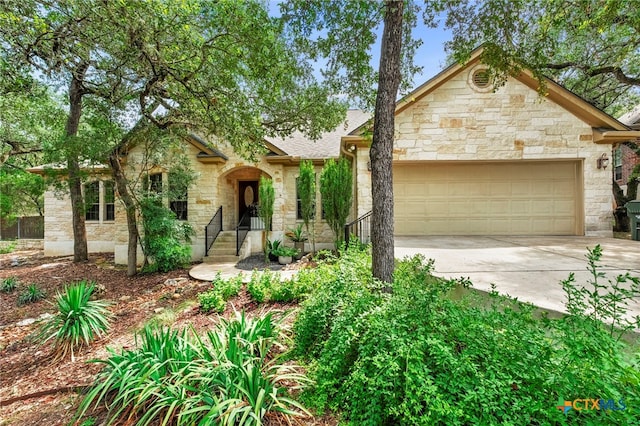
266 200
78 321
176 377
31 294
8 248
285 251
9 284
296 234
165 238
336 187
307 193
417 356
216 299
267 286
272 246
21 192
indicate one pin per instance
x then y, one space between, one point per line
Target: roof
62 167
632 117
327 146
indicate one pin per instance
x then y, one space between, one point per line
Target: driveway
529 268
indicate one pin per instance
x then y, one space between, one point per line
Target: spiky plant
8 284
78 321
31 295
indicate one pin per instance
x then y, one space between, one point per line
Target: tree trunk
382 145
130 207
80 251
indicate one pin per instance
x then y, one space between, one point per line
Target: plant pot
300 247
284 260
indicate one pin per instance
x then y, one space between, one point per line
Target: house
625 158
469 159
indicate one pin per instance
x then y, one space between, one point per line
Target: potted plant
272 246
285 254
298 239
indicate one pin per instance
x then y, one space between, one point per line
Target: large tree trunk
130 207
80 251
382 144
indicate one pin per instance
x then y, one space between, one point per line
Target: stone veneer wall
58 230
455 122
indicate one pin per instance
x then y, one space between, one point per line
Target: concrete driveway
529 268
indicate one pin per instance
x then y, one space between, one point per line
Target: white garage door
502 198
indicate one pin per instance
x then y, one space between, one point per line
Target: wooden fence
27 227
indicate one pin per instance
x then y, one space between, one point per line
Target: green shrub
175 376
9 284
165 239
78 321
416 356
8 247
31 294
216 299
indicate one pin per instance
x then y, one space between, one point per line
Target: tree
221 68
336 188
307 194
266 200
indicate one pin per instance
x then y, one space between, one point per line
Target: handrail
361 228
242 229
212 230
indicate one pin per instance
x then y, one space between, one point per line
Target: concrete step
223 258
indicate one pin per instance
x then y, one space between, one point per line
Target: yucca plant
78 321
31 295
8 284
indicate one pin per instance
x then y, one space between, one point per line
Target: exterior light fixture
603 161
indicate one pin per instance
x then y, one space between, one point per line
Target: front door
247 197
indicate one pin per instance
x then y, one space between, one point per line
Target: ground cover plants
419 357
230 376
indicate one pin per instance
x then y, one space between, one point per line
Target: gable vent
481 79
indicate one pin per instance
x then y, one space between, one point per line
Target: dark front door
247 197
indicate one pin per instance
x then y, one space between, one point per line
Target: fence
27 227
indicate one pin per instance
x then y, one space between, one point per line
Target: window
99 200
617 163
109 200
92 200
155 183
178 196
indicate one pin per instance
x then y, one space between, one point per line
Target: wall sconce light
603 161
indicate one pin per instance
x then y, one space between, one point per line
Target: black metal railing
361 228
242 229
212 230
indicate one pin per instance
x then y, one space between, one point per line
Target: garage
488 198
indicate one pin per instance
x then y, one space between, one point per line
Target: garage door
502 198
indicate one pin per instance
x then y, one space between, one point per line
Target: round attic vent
481 78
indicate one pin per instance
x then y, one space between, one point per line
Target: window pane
109 199
179 208
92 200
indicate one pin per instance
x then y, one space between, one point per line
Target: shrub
416 356
175 376
78 321
31 294
8 247
9 284
336 189
216 298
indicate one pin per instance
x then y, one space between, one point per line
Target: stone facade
456 122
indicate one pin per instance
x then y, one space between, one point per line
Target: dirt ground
26 368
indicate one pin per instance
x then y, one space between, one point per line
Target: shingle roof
328 146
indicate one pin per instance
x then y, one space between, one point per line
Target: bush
267 286
31 294
418 357
9 284
78 321
216 298
228 378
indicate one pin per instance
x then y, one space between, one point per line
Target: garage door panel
524 198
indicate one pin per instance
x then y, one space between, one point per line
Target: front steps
223 249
